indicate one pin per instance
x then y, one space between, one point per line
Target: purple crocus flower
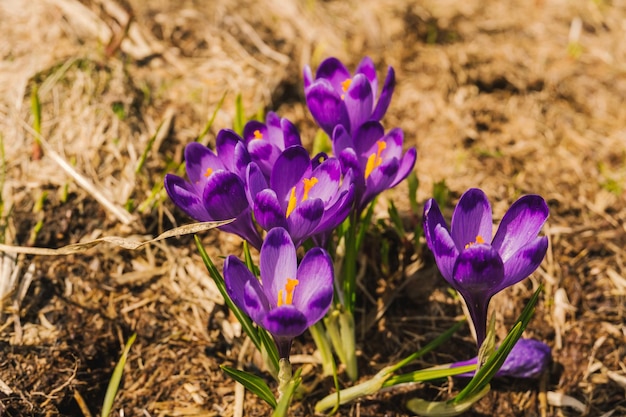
306 201
335 97
528 359
375 158
216 188
289 298
474 264
265 141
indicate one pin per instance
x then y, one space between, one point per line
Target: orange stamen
291 206
208 172
479 240
258 134
345 85
290 286
308 184
375 159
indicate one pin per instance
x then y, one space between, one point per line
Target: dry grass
513 97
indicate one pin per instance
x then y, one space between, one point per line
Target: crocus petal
432 218
471 218
524 262
255 182
268 211
479 268
341 140
407 163
303 221
314 293
307 76
380 179
445 253
385 95
232 151
290 167
199 158
328 176
244 227
334 71
335 214
250 128
350 161
264 154
529 358
521 224
367 68
285 321
394 140
326 106
185 197
224 195
365 140
244 289
278 262
291 135
359 101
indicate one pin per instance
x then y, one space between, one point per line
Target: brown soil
512 97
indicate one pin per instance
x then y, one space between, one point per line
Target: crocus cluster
476 265
267 182
278 197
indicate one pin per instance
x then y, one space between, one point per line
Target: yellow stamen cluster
345 85
308 184
479 240
375 159
208 172
285 297
258 134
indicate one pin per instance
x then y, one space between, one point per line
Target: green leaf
429 374
396 220
144 155
254 383
269 351
413 186
321 143
245 321
240 118
35 108
114 382
441 193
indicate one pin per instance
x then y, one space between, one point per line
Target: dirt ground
513 97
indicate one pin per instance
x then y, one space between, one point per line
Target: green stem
349 265
284 376
323 346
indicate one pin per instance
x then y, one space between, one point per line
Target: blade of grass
114 382
207 126
240 118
